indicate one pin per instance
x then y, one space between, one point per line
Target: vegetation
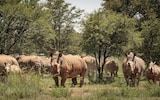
29 27
20 86
31 86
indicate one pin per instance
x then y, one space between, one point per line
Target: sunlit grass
31 86
20 86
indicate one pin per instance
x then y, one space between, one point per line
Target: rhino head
55 63
130 56
151 67
131 65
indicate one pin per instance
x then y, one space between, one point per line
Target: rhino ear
51 54
126 54
154 62
5 63
18 57
134 54
60 54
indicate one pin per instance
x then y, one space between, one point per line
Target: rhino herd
70 66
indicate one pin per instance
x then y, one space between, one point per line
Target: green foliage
151 41
129 7
106 34
74 46
10 1
41 33
14 22
107 30
25 28
63 18
144 40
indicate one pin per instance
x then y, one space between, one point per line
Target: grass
20 86
61 92
31 86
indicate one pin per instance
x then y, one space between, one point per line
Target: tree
25 28
106 34
14 22
151 40
149 8
63 19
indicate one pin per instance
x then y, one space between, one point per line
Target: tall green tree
24 27
151 42
63 20
15 19
106 34
145 26
149 8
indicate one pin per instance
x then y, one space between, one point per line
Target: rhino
46 64
91 66
111 67
31 63
6 59
153 73
133 67
67 66
13 68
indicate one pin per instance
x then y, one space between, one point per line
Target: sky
87 5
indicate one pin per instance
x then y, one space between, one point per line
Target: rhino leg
82 75
127 79
138 78
56 81
4 76
111 74
115 74
74 82
82 79
154 81
132 82
63 81
137 81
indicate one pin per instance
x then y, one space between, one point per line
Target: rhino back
111 66
71 62
7 59
140 63
91 62
156 69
